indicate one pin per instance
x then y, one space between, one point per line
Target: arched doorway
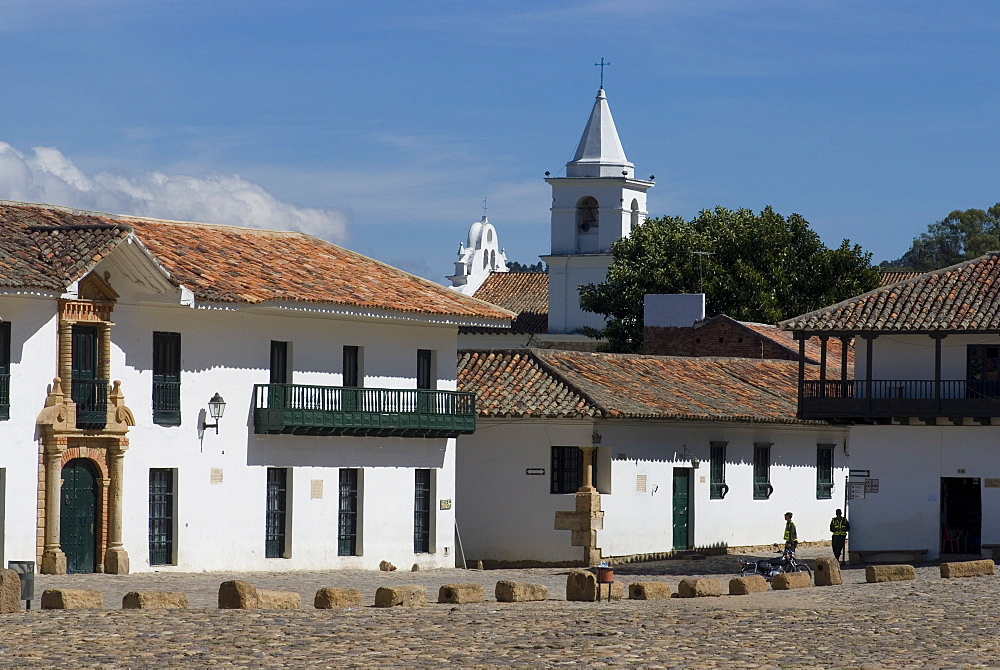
78 516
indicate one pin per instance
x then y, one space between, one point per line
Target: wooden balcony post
822 365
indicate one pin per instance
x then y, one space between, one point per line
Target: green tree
752 267
960 236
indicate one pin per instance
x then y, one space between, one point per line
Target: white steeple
594 205
480 256
600 152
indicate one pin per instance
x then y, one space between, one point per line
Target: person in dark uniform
839 527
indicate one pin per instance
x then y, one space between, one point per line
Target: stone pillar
588 468
587 518
66 356
104 354
116 558
53 558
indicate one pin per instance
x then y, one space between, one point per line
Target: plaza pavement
926 623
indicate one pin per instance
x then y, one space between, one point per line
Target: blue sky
383 125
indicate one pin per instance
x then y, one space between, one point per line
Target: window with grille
824 471
422 511
762 488
4 370
347 520
717 471
167 379
566 470
277 490
161 516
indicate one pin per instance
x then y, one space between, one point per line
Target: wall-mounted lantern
216 408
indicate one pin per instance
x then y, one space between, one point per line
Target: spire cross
601 65
484 206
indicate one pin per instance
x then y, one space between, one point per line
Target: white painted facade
220 496
909 464
508 516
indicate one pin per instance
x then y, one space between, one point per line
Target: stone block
519 592
968 569
889 573
827 571
72 599
699 587
588 502
649 591
328 599
581 585
386 566
238 595
461 594
744 586
278 600
154 600
401 596
10 591
791 580
572 521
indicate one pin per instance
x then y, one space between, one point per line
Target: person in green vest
839 527
791 536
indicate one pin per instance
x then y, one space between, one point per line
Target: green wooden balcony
299 409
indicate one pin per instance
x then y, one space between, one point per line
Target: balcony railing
899 398
167 403
91 398
335 410
4 397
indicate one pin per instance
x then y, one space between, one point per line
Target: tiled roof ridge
886 290
555 373
487 358
80 226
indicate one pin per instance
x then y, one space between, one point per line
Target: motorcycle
769 568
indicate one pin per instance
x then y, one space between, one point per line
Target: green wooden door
78 516
681 508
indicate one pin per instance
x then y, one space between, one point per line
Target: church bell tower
596 203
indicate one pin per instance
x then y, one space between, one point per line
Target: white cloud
47 176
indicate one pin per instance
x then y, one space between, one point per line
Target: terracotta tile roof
553 383
814 350
961 298
893 277
221 263
40 250
524 293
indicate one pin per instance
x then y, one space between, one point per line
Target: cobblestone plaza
929 622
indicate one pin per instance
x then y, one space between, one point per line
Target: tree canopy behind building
960 236
753 267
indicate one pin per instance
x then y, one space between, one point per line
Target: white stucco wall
510 515
904 357
33 345
909 462
220 526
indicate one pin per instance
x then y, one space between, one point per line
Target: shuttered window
277 489
167 379
347 518
762 488
4 371
161 516
422 511
717 471
824 471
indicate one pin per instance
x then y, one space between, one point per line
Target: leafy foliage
752 267
960 236
514 266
